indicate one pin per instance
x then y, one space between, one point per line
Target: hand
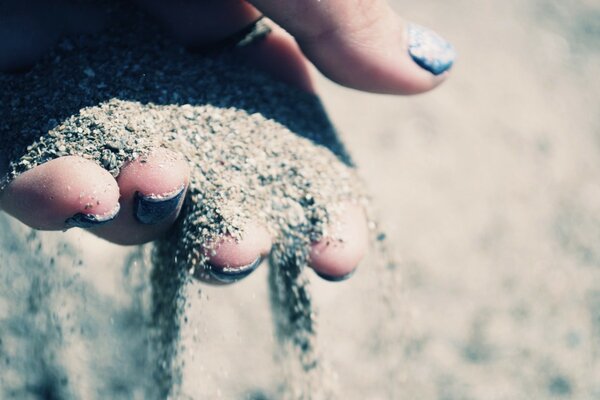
370 39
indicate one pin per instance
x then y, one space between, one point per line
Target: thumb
364 44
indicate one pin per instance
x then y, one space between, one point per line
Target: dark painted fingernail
82 220
230 275
429 50
332 278
152 209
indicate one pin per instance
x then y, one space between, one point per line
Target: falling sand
258 150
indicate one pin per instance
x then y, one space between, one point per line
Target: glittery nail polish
230 275
332 278
429 50
152 209
81 220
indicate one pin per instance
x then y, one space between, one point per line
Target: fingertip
155 186
364 45
231 260
157 174
62 193
393 57
228 252
336 256
152 188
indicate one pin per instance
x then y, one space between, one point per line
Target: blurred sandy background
489 189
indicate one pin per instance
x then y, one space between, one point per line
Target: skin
331 35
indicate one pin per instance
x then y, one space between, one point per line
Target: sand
259 151
489 192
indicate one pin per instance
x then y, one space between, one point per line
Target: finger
63 193
278 54
202 26
232 260
152 191
202 23
336 256
364 44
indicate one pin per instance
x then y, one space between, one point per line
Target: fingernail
230 275
429 50
82 220
332 278
152 209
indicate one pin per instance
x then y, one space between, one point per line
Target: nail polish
331 278
230 275
81 220
429 50
152 209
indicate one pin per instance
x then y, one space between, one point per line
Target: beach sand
488 191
